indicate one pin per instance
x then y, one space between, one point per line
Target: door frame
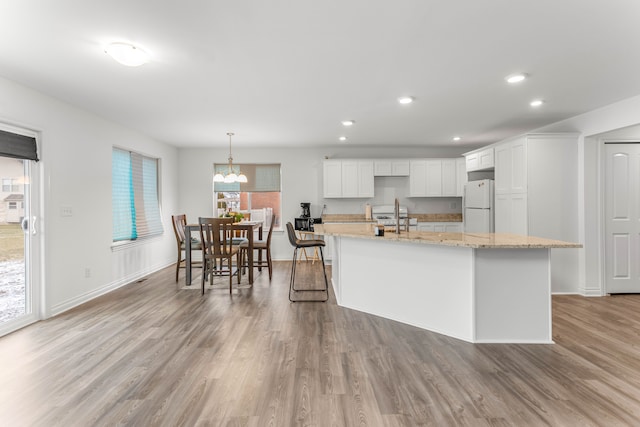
601 208
34 248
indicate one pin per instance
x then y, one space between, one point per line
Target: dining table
245 227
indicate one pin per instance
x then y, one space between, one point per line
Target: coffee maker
306 210
305 222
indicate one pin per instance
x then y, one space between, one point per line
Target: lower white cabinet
348 178
511 213
440 227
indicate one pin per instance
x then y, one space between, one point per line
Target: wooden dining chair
263 246
218 250
179 224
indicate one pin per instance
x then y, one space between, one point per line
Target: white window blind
261 178
135 201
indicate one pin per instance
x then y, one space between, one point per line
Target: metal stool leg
292 280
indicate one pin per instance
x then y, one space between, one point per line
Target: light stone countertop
468 240
333 218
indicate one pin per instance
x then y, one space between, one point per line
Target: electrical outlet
87 272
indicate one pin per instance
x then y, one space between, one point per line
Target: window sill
126 244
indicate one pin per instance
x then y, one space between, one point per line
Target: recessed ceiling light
405 100
127 54
516 78
536 103
348 122
456 138
343 138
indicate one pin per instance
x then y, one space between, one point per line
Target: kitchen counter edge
469 240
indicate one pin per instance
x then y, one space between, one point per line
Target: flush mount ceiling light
536 102
348 122
127 54
456 138
516 78
343 138
231 176
405 100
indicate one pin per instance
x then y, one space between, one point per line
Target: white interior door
622 218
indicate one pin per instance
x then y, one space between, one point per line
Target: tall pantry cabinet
536 194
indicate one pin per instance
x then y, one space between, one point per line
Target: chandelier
231 176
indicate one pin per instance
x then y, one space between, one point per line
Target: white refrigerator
478 207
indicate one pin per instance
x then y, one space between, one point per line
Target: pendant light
231 176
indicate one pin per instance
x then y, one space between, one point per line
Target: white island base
479 295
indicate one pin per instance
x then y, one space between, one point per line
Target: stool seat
309 243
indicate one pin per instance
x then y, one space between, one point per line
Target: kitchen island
477 287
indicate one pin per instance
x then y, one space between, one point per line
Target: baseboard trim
86 297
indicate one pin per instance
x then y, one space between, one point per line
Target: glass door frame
34 244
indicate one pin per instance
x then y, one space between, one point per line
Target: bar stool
301 244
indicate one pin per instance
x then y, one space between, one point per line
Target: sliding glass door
19 244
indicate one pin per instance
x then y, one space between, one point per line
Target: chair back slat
179 224
215 235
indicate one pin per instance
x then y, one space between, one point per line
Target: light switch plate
66 211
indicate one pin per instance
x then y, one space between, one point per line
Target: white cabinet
440 227
332 178
461 176
449 178
348 178
432 178
511 167
417 178
536 186
480 160
391 167
511 213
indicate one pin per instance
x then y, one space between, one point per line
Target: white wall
618 120
301 181
75 167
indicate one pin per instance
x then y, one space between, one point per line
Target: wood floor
153 354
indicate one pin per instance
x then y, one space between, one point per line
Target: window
260 196
10 185
135 200
13 205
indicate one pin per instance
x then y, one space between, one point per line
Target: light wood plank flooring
153 354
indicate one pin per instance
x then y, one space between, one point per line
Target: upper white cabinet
511 167
433 178
536 186
348 178
391 167
461 176
480 160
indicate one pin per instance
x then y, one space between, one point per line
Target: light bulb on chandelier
231 176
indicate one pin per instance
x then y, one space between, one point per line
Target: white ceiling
286 72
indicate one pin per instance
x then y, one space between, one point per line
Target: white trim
602 229
127 244
35 296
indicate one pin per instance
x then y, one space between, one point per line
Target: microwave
306 224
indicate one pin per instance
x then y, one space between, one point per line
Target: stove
385 215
